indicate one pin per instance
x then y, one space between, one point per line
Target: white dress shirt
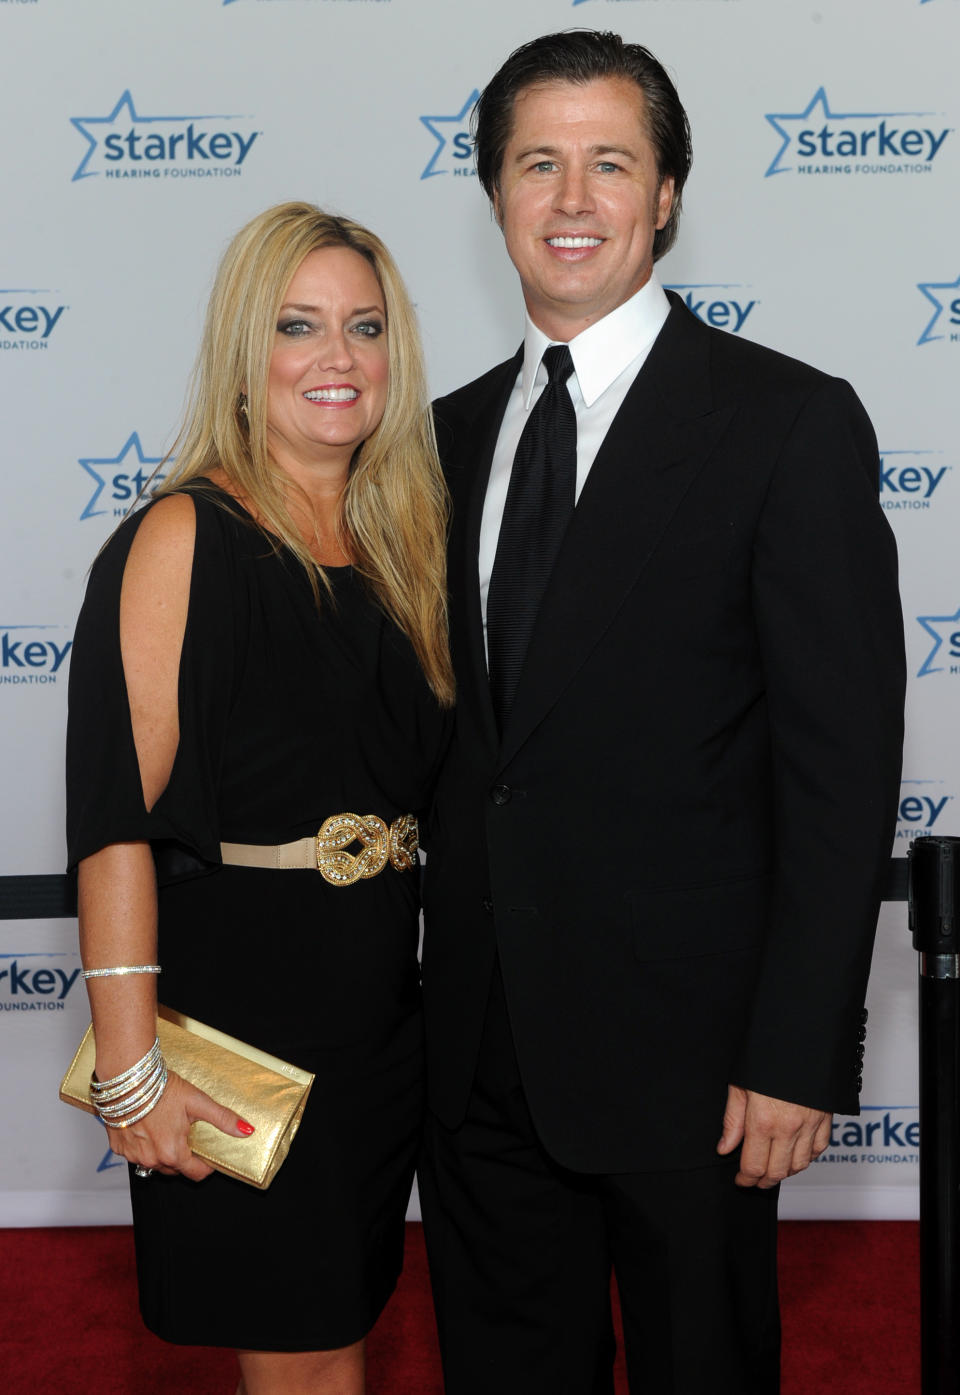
606 359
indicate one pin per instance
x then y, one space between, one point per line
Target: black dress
287 715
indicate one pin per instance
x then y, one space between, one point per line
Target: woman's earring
242 405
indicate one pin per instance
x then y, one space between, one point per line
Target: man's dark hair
581 56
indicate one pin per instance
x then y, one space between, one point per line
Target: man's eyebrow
613 150
553 151
550 150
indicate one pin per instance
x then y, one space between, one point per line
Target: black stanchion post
935 924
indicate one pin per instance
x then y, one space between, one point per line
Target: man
660 834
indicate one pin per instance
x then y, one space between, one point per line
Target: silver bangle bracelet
133 1100
120 971
126 1098
153 1099
127 1078
106 1094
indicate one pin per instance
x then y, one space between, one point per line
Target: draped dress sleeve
105 802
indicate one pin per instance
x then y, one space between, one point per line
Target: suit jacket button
501 794
487 905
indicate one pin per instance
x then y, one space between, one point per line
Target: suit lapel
656 446
476 442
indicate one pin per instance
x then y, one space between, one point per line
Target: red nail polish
245 1128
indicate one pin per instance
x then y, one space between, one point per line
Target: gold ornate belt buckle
404 842
378 845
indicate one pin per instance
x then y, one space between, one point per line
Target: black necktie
540 502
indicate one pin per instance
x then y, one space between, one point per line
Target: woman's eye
293 328
370 329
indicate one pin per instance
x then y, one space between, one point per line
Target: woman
263 647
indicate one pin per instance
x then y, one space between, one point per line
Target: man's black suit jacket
677 847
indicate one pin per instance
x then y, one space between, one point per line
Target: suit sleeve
830 629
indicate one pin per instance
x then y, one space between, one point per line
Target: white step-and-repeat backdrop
138 135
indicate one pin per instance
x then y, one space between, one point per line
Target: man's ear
495 205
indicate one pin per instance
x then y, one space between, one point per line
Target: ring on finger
143 1171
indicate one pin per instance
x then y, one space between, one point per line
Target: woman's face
327 382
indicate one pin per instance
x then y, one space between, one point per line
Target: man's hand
779 1139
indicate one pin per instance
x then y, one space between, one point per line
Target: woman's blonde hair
394 507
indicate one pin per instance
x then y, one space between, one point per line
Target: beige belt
326 851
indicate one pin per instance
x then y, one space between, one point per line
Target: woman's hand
159 1140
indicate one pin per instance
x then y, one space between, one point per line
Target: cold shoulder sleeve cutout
181 740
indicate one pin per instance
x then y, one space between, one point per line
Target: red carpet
70 1326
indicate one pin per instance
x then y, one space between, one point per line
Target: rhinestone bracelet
120 971
126 1098
106 1094
127 1076
116 1116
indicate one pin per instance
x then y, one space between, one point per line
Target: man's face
579 200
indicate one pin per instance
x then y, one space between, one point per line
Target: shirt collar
602 352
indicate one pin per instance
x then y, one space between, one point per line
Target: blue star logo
124 104
819 99
110 1158
125 463
928 622
928 288
457 133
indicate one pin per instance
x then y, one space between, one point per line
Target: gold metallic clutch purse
267 1092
